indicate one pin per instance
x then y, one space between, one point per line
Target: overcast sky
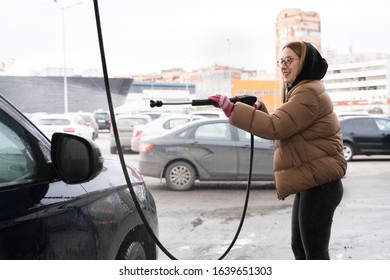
143 36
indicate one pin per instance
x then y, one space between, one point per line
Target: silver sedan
205 150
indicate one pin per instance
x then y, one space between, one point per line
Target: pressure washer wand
247 99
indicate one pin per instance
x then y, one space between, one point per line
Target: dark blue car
60 200
365 135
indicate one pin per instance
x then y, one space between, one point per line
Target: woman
308 158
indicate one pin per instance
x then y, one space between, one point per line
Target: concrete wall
46 94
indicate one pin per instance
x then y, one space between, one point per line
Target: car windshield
103 116
169 124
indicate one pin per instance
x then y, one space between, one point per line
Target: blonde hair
299 48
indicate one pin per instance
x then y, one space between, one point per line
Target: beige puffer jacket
308 146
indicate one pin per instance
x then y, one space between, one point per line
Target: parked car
158 127
125 125
343 114
153 114
103 119
59 200
209 113
205 150
365 135
74 124
90 120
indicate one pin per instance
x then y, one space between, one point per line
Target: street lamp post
229 68
64 56
64 52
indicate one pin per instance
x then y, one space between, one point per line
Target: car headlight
138 183
140 191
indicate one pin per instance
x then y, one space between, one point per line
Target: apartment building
359 82
297 25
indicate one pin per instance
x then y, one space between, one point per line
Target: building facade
297 25
267 91
360 82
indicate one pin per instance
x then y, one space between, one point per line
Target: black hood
314 66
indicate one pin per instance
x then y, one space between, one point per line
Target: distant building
297 25
359 82
174 75
141 93
216 79
33 94
267 91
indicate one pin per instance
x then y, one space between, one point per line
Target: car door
365 134
38 214
384 131
262 156
214 151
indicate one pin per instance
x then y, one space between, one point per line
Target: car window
17 162
169 124
101 116
383 125
362 125
246 136
213 131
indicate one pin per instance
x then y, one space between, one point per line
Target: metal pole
64 52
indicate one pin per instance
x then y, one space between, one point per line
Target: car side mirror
76 159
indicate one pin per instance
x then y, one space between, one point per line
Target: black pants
312 217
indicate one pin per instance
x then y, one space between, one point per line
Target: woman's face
289 64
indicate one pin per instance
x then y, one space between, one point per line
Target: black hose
117 140
123 163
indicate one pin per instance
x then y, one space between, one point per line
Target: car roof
352 114
101 112
56 116
198 122
188 125
162 119
129 116
362 117
209 113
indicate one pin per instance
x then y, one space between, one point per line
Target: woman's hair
299 48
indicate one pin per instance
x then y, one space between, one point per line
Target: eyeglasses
287 61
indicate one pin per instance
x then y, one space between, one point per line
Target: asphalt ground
200 224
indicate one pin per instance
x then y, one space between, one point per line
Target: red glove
222 102
258 105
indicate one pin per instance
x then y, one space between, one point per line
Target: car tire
133 251
348 151
113 150
180 176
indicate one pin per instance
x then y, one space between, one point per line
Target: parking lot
201 223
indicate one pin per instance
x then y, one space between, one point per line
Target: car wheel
134 251
348 152
113 150
180 176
